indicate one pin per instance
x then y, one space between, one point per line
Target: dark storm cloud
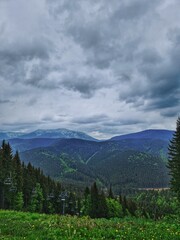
163 78
104 36
86 85
15 53
149 57
132 10
110 58
170 112
3 101
14 61
160 87
163 102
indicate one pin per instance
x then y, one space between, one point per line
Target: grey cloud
48 119
3 101
107 41
38 77
14 64
170 112
32 101
163 103
163 89
91 120
91 38
71 50
160 87
149 56
124 77
132 10
86 85
124 122
14 126
16 52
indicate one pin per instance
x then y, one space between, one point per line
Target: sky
102 67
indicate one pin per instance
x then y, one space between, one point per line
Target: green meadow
33 226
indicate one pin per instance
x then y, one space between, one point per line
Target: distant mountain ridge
127 161
49 133
161 134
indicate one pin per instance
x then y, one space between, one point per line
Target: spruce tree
103 208
18 202
110 195
94 203
174 160
17 167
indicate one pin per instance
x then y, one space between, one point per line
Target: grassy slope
17 225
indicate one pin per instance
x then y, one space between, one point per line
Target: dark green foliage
156 204
94 201
18 202
18 181
126 163
30 190
123 168
24 187
130 161
97 205
36 204
174 160
114 208
111 193
129 206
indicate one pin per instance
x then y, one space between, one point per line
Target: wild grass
33 226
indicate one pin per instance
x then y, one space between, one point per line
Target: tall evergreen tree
18 201
174 160
110 195
36 204
17 167
103 208
94 201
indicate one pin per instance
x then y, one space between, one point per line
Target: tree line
23 187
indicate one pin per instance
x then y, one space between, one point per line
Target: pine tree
94 203
110 195
87 202
174 160
18 172
36 204
102 208
18 202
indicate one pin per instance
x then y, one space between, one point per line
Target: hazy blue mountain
27 144
124 163
58 133
164 135
50 133
121 168
133 160
153 142
10 135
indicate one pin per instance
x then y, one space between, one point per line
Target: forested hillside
125 163
129 161
23 187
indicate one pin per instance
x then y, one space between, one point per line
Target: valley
129 161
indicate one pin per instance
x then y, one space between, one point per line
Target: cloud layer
103 67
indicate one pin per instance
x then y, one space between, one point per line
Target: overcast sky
98 66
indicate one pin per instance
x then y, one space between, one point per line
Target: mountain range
136 160
49 133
